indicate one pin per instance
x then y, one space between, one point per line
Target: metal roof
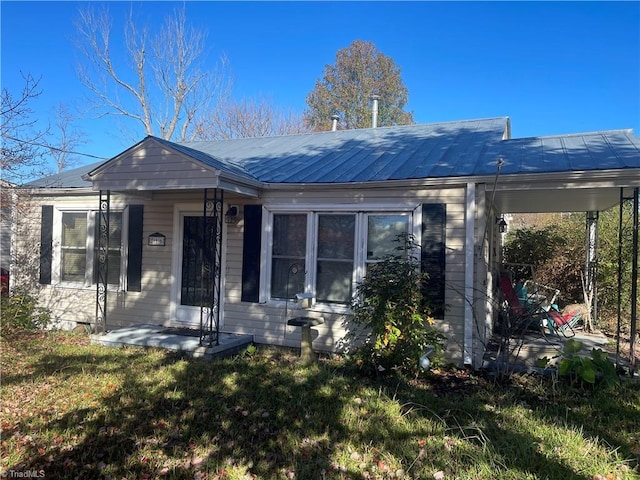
468 148
607 150
67 179
363 155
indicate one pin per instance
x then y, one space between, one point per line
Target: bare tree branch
249 118
21 152
68 139
171 88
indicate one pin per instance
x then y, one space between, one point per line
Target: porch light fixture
232 215
502 224
157 240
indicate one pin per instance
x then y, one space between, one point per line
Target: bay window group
327 253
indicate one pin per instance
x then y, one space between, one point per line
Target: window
288 255
336 246
318 252
77 256
74 247
382 231
115 241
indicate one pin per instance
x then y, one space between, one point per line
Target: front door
197 285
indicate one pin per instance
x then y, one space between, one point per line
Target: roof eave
575 179
56 191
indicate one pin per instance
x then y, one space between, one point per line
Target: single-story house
125 241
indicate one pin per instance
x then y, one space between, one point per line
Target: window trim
91 212
360 210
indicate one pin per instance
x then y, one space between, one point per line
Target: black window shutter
251 241
46 243
134 263
434 217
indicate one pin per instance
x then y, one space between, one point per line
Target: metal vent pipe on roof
374 110
334 122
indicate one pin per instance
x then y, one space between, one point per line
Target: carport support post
591 264
634 280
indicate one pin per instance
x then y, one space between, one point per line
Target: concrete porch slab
525 350
148 335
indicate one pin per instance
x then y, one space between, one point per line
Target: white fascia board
83 192
576 179
235 183
311 206
581 179
394 184
55 192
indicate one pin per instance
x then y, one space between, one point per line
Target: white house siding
268 323
153 167
5 237
68 306
265 321
72 304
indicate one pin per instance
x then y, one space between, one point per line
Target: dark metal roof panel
412 151
453 149
67 179
609 150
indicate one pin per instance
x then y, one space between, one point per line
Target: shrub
592 370
390 305
20 312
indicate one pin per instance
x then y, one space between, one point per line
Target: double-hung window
114 248
77 256
73 264
327 253
335 257
288 259
382 234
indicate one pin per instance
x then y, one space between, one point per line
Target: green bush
596 369
390 305
19 312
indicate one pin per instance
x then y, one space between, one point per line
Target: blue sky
553 68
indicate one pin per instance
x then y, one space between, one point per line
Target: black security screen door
194 291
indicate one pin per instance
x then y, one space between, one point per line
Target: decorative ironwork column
633 202
634 279
102 260
212 219
591 263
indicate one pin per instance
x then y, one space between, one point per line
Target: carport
575 173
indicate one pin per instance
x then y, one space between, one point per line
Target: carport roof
607 150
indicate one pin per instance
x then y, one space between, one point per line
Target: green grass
74 410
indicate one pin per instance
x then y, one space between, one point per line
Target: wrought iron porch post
102 260
212 219
634 201
591 264
634 279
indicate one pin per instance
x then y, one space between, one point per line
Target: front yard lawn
74 410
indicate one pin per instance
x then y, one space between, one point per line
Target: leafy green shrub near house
596 367
581 370
20 312
390 305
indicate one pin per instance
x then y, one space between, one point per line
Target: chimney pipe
334 122
374 111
